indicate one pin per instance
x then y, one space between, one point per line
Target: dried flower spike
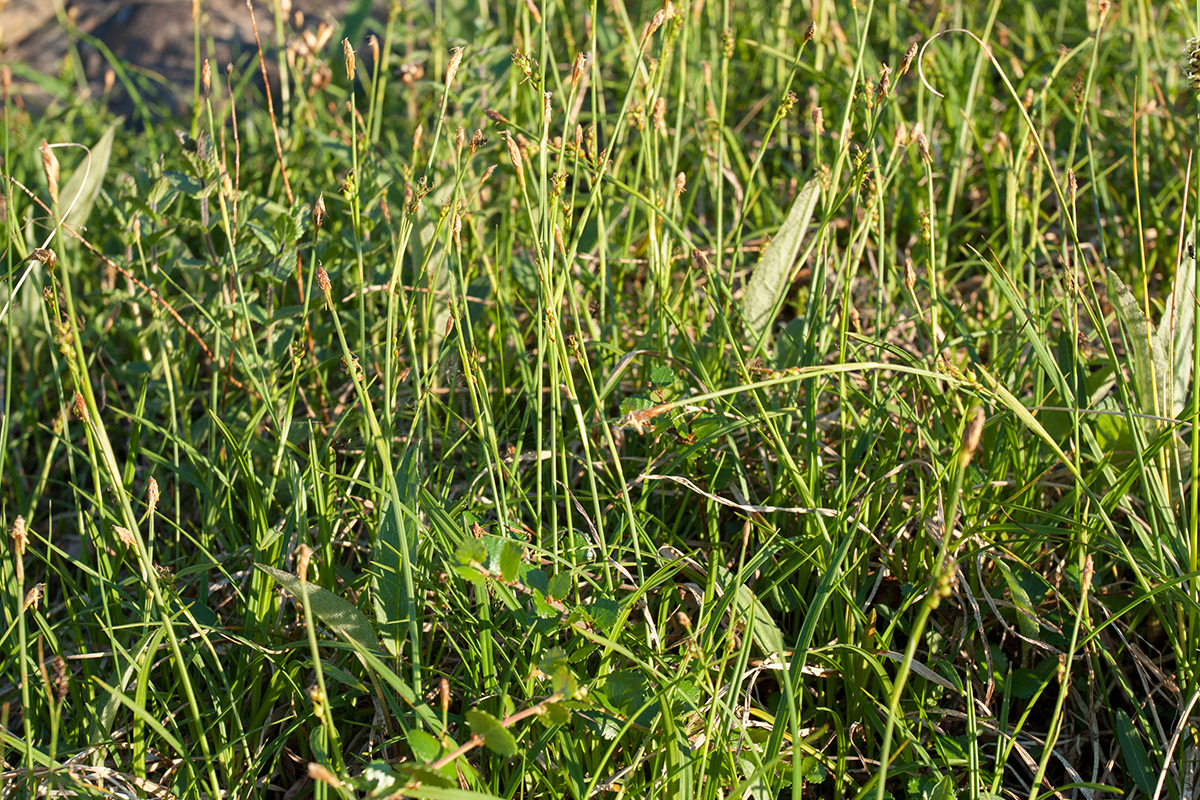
20 536
318 213
348 52
514 154
303 557
323 282
907 60
456 55
50 167
578 70
206 77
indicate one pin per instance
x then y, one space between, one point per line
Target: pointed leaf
771 277
387 583
343 618
1137 763
1174 334
81 189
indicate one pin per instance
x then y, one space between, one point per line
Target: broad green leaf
80 191
1174 334
342 618
1026 617
510 560
1152 377
497 738
387 583
351 625
556 714
771 277
1137 764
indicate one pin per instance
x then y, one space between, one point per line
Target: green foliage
572 431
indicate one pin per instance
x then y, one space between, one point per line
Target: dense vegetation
559 401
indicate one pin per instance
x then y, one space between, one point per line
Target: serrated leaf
605 612
510 560
80 191
497 738
771 277
661 375
536 579
471 551
560 585
556 714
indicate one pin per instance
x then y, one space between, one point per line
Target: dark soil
155 37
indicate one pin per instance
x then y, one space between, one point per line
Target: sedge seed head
348 53
20 536
456 56
318 213
323 282
51 169
907 60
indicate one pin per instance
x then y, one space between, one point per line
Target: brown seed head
578 69
34 596
20 536
126 536
348 53
444 692
50 168
1072 186
80 407
918 136
460 139
680 185
547 108
373 44
60 678
534 12
658 114
884 87
910 274
152 495
1103 8
514 155
318 212
323 282
809 33
303 558
971 436
317 772
206 77
456 55
478 140
655 23
909 55
496 116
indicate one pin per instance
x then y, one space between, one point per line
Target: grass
559 401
